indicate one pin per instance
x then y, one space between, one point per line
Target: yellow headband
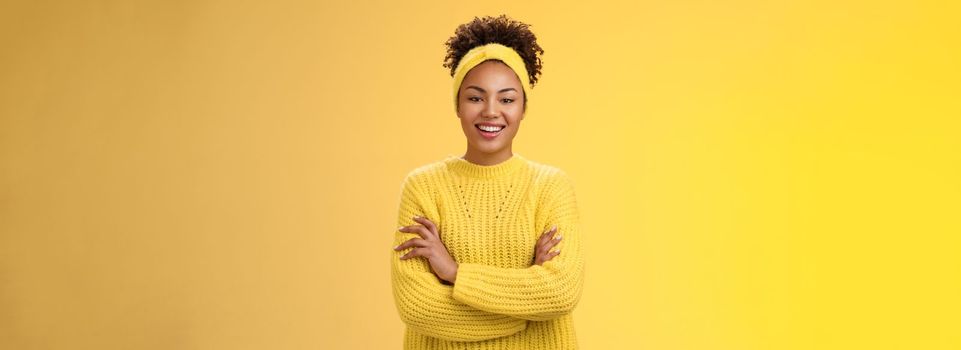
492 51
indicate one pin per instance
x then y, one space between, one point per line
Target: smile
489 131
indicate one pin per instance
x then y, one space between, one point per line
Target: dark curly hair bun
502 30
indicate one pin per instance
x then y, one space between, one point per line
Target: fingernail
555 228
558 237
400 228
416 217
395 248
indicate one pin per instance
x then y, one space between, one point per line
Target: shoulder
550 179
547 173
422 176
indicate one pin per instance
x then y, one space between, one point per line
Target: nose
490 110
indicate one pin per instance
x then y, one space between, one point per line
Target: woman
478 261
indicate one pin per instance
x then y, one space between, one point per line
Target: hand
431 247
542 250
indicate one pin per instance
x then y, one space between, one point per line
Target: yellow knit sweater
489 218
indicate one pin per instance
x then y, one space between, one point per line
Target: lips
488 130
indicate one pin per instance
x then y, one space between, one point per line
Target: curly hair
502 30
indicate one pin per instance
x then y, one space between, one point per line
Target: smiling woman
477 260
490 108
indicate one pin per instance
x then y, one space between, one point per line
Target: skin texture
491 93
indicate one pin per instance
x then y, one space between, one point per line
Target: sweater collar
464 167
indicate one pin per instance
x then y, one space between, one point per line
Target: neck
482 158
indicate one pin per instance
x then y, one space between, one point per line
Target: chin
488 148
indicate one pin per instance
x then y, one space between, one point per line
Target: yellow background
225 174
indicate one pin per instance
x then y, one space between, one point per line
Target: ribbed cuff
466 284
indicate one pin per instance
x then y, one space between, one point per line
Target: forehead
492 74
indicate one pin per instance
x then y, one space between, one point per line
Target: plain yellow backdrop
225 174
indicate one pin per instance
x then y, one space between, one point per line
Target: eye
473 99
507 100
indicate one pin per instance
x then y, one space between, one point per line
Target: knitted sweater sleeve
539 292
424 303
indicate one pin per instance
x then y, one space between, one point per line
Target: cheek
466 124
516 114
467 109
515 108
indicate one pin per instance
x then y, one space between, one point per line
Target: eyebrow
482 90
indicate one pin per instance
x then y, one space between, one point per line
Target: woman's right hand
542 250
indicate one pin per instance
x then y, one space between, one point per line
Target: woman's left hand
431 247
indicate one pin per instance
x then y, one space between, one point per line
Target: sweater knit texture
489 218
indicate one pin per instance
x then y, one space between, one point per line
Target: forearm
535 293
427 306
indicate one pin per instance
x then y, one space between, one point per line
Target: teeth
490 128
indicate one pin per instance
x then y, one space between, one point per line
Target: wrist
453 275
